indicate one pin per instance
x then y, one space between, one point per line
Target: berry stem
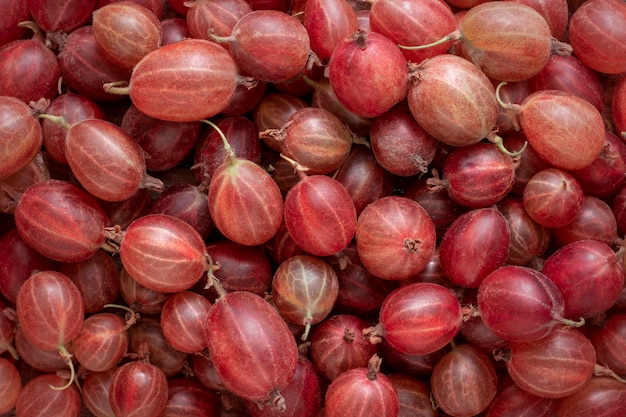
509 106
217 38
300 169
497 140
115 88
453 36
131 315
37 32
572 323
307 325
229 150
58 120
600 370
311 82
67 357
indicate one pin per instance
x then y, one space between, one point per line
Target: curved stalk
59 120
497 140
115 88
453 36
68 360
229 150
131 315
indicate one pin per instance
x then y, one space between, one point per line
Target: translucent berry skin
61 221
253 350
420 318
519 304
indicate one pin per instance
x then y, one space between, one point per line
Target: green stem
515 108
59 120
311 82
497 140
131 315
68 360
12 351
229 150
453 36
499 100
37 33
217 38
302 347
300 169
60 86
114 88
572 323
307 325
